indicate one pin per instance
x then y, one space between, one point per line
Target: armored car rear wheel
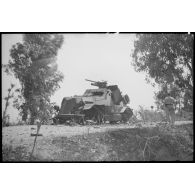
126 115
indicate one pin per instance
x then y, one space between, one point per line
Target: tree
33 62
167 59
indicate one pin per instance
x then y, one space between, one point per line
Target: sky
90 56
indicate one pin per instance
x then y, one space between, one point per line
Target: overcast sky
90 56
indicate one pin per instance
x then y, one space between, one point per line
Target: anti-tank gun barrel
90 81
100 84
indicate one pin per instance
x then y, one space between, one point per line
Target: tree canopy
33 62
167 59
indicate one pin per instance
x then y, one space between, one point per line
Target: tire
126 115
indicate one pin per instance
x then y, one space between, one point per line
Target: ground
138 142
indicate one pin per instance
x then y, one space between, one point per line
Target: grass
14 154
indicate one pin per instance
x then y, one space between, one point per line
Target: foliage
167 59
150 115
158 115
19 122
33 62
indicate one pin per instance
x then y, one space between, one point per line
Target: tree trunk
6 106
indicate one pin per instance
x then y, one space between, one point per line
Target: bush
150 115
18 123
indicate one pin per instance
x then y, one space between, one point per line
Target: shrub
150 115
14 154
